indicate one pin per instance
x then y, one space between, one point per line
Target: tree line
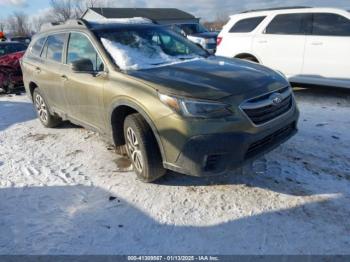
22 24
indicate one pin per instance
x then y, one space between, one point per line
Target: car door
281 45
49 71
84 90
327 53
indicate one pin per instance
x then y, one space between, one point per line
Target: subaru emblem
276 98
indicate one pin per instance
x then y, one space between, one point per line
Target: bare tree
220 20
2 25
62 10
18 24
37 22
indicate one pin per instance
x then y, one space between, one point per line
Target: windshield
191 29
6 49
146 47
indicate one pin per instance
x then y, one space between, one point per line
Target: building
157 15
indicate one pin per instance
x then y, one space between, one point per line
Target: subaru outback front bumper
216 154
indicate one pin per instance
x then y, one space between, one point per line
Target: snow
64 191
127 21
141 56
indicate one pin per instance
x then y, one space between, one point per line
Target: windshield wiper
187 58
162 63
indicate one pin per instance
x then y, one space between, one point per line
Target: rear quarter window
38 46
53 49
330 25
247 25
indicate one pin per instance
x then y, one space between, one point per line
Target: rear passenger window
54 47
288 24
37 46
247 25
330 25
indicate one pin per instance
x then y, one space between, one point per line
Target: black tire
250 59
42 109
151 160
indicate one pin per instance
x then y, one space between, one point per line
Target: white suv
308 45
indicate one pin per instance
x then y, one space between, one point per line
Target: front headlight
196 108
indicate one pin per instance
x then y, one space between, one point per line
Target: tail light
218 41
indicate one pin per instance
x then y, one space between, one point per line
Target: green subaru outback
172 105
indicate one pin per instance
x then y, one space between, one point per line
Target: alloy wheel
134 150
41 108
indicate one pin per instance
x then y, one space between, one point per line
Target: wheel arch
119 111
32 87
246 54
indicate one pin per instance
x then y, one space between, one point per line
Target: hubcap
41 108
134 150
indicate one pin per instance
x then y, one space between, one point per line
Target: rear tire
143 149
42 109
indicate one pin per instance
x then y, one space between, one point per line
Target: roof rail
76 22
276 8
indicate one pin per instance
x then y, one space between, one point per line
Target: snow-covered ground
64 191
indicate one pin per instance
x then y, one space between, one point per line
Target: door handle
37 70
317 43
64 77
262 41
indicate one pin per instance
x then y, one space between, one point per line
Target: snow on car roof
120 21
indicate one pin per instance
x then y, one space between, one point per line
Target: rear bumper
216 154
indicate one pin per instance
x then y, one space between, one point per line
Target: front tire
142 149
44 115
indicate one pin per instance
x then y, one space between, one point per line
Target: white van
308 45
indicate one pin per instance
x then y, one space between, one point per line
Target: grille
269 140
263 109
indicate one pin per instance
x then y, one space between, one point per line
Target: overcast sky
206 9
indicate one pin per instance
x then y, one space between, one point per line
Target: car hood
206 35
212 78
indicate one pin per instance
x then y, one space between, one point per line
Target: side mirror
82 66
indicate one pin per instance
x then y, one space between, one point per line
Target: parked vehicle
2 37
23 39
178 20
309 45
146 87
198 34
10 70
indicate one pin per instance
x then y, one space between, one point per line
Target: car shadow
89 220
15 112
291 184
322 94
68 125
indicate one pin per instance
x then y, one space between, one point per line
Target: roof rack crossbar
75 22
275 8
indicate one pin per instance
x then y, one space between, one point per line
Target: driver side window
79 48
